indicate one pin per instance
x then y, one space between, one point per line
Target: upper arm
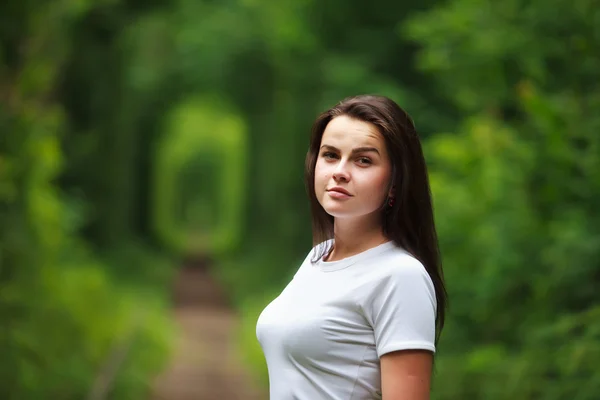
406 375
402 310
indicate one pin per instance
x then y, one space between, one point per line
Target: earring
391 202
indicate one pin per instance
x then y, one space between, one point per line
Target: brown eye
364 161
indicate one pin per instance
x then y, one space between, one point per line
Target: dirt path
205 365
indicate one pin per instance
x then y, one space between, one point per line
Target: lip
339 192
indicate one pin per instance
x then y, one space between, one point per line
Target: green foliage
521 260
64 311
201 169
69 329
61 311
479 51
515 190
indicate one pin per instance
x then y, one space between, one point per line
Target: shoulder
397 265
398 274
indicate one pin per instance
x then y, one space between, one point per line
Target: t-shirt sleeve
402 308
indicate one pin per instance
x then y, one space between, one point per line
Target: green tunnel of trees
199 185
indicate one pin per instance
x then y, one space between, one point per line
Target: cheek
378 185
321 173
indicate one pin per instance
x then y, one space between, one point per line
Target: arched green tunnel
200 178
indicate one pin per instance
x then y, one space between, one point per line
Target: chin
346 210
331 209
335 213
338 210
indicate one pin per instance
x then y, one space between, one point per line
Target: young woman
361 317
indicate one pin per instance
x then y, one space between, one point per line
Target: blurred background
152 199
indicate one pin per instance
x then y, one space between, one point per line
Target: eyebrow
354 151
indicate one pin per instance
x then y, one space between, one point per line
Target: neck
353 236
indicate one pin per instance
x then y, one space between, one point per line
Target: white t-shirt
323 335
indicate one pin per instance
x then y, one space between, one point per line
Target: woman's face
353 169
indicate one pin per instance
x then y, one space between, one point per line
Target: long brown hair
409 222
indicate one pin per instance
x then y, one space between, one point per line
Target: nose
341 174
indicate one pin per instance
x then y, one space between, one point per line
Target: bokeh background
142 139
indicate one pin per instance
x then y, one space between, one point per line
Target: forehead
347 131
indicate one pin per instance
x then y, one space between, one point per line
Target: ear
392 192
